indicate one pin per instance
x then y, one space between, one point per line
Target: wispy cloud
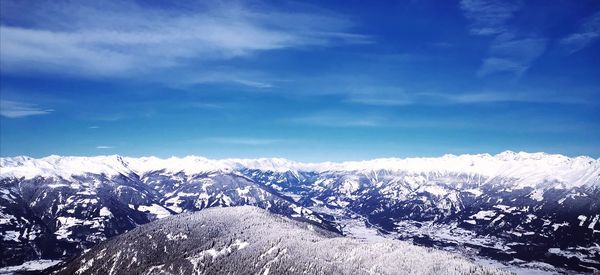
488 17
512 55
222 75
508 52
118 39
379 96
588 32
377 120
329 119
93 127
243 140
514 122
104 147
255 84
16 109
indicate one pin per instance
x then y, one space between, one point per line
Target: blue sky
310 81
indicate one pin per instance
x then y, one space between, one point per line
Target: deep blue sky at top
311 81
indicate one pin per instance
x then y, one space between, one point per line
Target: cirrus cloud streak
82 38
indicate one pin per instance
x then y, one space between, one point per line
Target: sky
306 80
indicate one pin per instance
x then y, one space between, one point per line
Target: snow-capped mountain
62 210
530 169
248 240
517 207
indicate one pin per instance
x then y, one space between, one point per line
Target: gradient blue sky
311 81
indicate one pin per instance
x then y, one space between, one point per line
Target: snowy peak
529 169
189 165
57 166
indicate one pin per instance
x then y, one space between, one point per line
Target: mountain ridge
529 168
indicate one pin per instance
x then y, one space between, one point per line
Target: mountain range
522 209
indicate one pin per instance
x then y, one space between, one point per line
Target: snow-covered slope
57 166
57 215
528 169
247 240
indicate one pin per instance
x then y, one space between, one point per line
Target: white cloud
514 96
255 84
515 121
527 48
340 120
16 109
104 147
488 17
588 32
375 120
512 55
221 75
243 140
508 53
383 96
120 39
496 65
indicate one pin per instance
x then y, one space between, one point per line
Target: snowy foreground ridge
249 240
529 169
